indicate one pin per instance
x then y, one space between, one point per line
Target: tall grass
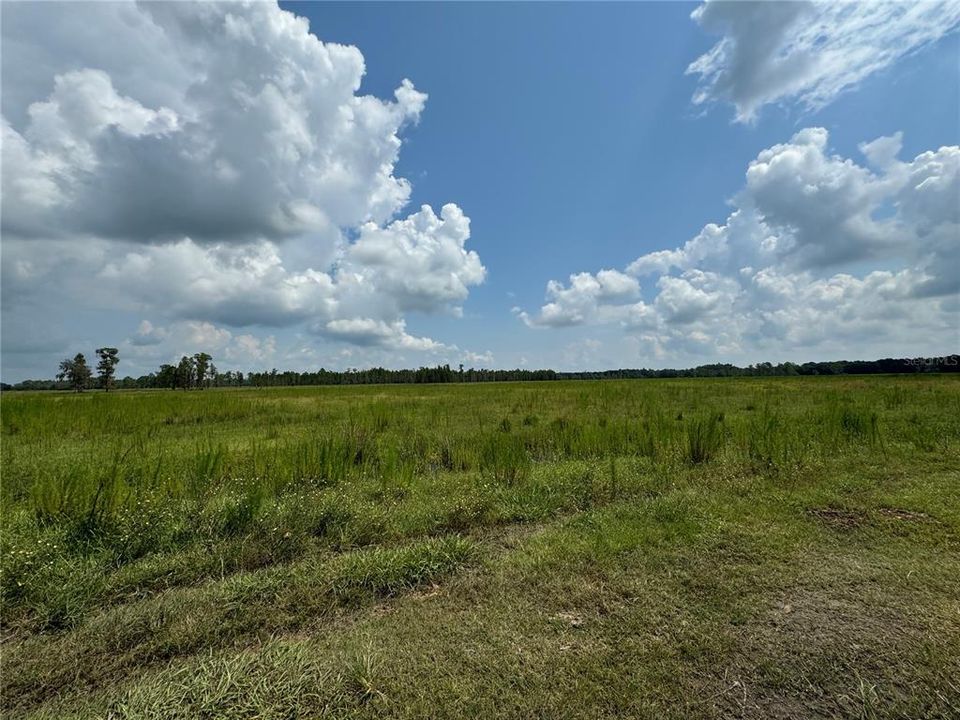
504 458
272 473
705 437
80 460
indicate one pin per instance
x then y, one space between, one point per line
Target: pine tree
185 373
105 368
201 363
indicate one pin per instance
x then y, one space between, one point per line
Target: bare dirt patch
905 515
568 618
814 654
840 642
839 518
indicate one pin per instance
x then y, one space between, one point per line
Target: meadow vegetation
695 548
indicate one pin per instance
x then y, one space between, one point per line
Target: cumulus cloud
807 52
783 267
820 206
583 299
147 334
695 296
479 360
251 349
354 345
367 331
264 135
217 165
235 285
152 345
419 263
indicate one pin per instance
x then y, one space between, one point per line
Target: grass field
760 548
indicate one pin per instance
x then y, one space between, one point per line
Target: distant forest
191 374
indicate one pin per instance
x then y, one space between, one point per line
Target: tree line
192 372
884 366
197 372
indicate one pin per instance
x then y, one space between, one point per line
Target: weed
704 438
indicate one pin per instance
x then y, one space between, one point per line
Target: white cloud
153 345
695 296
367 331
478 360
217 165
779 274
263 136
356 342
882 152
237 285
251 350
805 208
147 334
807 52
415 264
820 206
583 299
419 262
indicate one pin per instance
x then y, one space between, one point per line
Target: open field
759 548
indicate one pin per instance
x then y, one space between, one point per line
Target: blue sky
566 132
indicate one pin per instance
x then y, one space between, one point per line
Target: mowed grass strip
183 621
65 586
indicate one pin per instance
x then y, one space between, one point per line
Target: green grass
664 549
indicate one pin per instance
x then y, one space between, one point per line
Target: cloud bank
216 164
819 252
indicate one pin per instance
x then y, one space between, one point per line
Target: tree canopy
75 372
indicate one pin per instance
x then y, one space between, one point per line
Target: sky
564 185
